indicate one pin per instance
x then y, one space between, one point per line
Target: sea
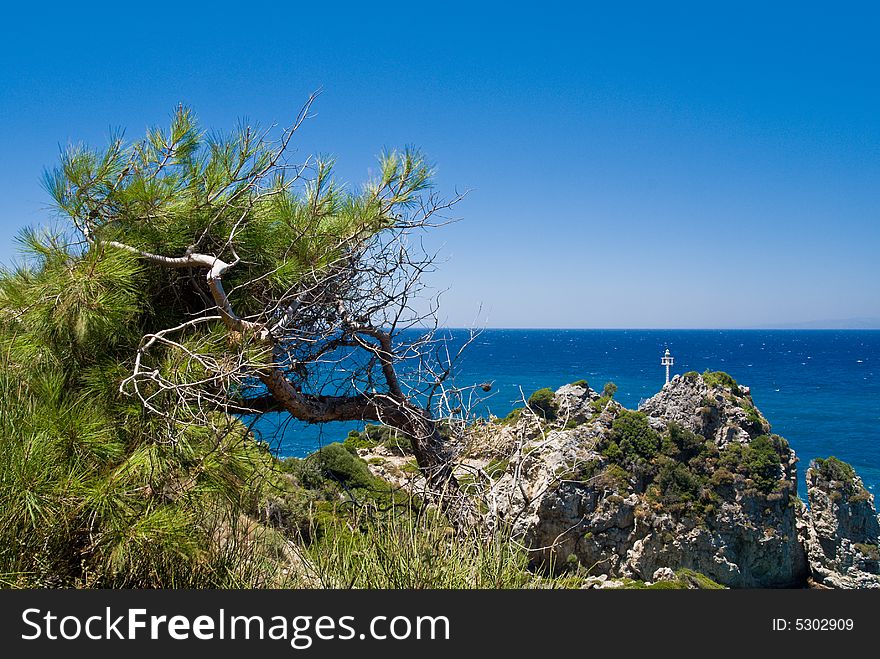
820 389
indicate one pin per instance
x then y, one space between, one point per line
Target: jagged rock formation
694 480
841 529
712 405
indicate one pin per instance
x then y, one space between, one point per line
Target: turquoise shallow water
820 389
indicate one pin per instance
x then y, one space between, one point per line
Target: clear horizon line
669 329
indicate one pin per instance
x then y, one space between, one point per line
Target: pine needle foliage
100 488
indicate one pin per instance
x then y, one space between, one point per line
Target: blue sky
673 165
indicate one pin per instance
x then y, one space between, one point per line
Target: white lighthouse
667 361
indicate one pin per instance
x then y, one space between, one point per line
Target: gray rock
841 532
664 574
559 496
574 402
718 413
567 501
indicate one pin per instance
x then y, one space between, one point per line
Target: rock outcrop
712 405
841 529
694 480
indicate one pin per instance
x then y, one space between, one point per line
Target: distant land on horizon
845 323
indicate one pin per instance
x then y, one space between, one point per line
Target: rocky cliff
840 530
693 480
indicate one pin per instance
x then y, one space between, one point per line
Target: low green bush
612 451
615 478
833 469
685 579
635 436
757 460
681 443
512 417
860 495
752 413
356 440
871 552
543 402
375 435
697 580
677 484
307 473
722 477
336 462
780 445
721 379
410 467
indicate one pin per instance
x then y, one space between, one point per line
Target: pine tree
198 277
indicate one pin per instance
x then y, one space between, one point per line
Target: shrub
635 436
614 478
612 452
664 585
513 416
634 584
780 445
543 401
860 495
581 383
588 469
399 444
697 580
833 469
609 389
683 443
685 579
871 552
336 462
410 467
722 477
677 484
752 414
762 462
375 435
757 460
308 473
731 457
721 379
356 440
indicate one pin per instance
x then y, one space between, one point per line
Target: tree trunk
431 455
436 464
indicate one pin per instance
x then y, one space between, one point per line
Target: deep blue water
819 388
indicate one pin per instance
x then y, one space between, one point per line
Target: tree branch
216 268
